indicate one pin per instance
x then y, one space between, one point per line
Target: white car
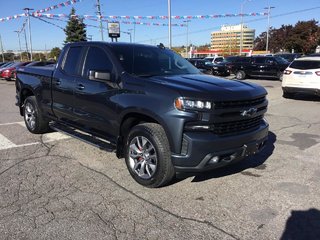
302 76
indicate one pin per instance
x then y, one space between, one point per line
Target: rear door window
71 64
304 65
259 60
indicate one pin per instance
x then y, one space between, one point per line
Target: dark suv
261 66
206 66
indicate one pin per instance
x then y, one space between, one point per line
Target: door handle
58 82
80 87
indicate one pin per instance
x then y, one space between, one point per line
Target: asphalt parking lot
56 187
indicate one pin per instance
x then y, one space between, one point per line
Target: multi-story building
228 39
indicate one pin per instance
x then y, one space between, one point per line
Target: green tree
303 37
75 30
54 53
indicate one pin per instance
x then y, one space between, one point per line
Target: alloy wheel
30 115
142 157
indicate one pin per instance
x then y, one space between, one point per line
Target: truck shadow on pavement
302 225
256 162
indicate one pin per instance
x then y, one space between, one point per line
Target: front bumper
207 151
313 91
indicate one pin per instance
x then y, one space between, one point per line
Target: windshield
281 60
147 61
305 64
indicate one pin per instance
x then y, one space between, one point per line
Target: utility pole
187 22
129 30
100 18
29 26
241 34
18 32
25 39
169 18
268 28
1 46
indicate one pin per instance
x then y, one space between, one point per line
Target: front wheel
148 155
240 75
33 118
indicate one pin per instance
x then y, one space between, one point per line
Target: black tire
280 76
240 75
154 166
287 95
33 118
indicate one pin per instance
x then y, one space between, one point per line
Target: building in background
227 41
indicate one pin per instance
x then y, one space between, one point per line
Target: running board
85 137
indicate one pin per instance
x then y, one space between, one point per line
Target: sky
47 36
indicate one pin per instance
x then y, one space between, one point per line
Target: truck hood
209 87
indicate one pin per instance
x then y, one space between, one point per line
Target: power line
254 20
41 19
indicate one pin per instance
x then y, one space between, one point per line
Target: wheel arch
133 118
24 93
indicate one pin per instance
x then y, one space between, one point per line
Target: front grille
243 103
236 126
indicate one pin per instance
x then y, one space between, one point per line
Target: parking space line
5 143
12 123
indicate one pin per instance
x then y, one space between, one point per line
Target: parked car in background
261 66
203 65
4 66
39 63
302 76
2 63
206 66
231 63
289 56
215 59
8 73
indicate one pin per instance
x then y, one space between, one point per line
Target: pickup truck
148 105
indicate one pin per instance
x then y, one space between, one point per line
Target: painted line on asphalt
5 143
12 123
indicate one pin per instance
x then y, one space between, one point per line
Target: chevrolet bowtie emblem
248 113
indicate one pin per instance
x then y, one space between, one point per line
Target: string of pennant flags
128 22
152 17
60 5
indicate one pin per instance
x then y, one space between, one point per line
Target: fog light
214 160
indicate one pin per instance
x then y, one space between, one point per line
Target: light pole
268 28
169 22
130 30
187 22
241 33
25 39
29 26
100 18
1 48
18 32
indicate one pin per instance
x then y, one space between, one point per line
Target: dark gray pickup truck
148 105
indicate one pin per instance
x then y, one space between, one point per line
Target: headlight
187 104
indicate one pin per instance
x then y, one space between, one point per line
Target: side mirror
96 75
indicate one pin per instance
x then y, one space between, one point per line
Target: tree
303 37
54 53
75 29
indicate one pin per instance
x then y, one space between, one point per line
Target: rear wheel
33 118
280 76
148 155
240 75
